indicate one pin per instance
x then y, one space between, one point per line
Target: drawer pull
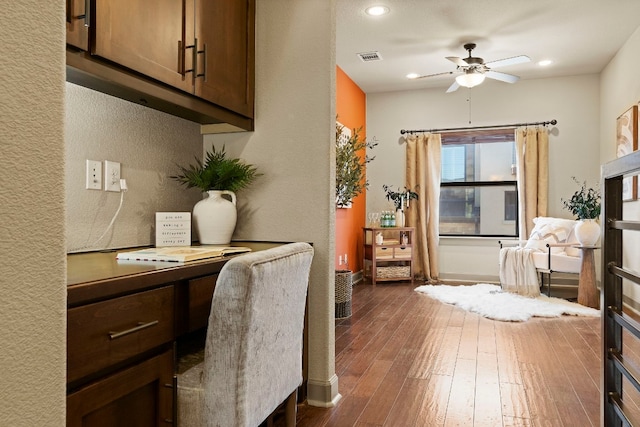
141 326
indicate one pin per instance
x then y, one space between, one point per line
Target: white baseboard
356 277
471 278
323 394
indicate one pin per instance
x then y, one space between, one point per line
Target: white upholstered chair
253 352
552 244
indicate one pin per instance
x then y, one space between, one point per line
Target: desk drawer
102 334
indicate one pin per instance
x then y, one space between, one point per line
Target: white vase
399 218
587 232
215 218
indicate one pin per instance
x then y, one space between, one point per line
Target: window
478 192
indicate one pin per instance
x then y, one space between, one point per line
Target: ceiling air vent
370 56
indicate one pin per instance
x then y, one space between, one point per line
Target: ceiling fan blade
503 77
458 61
433 75
453 87
508 61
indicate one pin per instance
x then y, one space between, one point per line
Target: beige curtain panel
423 176
532 148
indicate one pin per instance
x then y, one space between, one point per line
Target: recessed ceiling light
376 10
545 62
413 75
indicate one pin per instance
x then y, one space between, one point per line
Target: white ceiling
580 36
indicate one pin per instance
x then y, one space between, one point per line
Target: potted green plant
585 204
215 217
350 165
400 199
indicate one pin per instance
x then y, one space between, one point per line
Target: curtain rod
551 122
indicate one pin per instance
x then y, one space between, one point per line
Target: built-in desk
125 320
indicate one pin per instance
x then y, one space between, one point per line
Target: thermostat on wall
173 229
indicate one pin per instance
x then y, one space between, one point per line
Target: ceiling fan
473 70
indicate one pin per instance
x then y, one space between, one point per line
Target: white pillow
549 230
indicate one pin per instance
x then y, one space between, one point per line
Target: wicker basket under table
343 294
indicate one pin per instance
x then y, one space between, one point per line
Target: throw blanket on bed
518 273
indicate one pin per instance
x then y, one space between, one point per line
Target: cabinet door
224 30
138 396
143 36
77 24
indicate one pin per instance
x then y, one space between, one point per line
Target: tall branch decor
350 164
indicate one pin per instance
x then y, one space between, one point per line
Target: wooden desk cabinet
126 322
120 353
391 259
141 394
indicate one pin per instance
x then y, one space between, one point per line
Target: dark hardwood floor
404 359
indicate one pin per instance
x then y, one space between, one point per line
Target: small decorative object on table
215 217
400 201
585 205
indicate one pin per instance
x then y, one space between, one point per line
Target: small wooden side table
587 291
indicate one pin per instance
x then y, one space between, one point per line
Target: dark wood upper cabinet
77 24
226 62
142 37
203 48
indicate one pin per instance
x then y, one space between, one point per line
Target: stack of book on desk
180 253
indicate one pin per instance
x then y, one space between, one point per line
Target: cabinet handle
194 53
204 67
141 326
87 13
174 397
194 60
86 16
174 411
181 65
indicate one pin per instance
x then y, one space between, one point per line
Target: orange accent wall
351 104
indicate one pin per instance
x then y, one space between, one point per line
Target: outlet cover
93 180
111 176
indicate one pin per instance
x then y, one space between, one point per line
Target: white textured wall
148 144
619 90
32 272
295 126
573 101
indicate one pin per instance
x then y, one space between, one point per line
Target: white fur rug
489 301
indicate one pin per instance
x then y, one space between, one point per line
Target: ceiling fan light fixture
470 79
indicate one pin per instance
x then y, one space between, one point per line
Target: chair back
253 353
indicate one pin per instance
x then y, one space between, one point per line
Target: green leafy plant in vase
400 199
350 165
585 204
215 217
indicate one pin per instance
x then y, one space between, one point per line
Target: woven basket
392 272
343 294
